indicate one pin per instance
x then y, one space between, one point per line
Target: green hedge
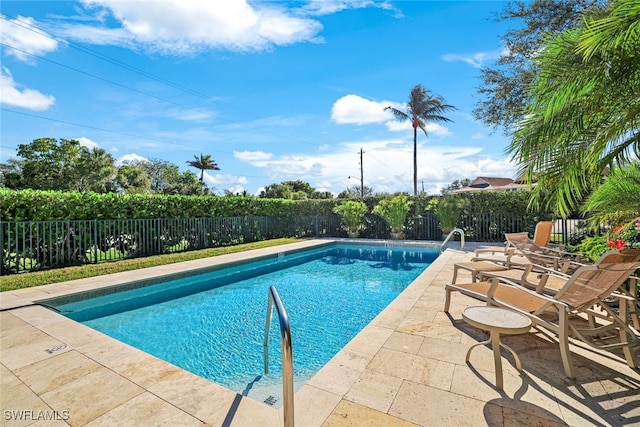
38 205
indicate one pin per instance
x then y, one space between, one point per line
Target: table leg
474 346
495 343
494 340
515 356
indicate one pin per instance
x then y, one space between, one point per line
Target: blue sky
273 91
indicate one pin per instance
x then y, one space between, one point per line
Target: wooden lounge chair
581 298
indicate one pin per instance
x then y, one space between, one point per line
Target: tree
65 165
96 171
354 192
289 190
230 193
10 175
322 195
202 163
583 112
276 191
133 179
455 185
422 108
618 198
47 164
163 178
504 85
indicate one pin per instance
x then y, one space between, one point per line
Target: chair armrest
492 251
495 281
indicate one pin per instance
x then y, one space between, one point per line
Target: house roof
485 183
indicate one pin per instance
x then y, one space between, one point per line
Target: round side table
497 321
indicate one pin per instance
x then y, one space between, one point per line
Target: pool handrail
455 230
287 352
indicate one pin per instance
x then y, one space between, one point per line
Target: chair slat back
592 283
521 241
542 233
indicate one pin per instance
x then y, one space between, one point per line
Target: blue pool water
213 324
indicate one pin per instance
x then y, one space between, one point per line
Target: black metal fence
37 245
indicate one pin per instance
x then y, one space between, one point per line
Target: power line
118 133
139 71
105 80
102 129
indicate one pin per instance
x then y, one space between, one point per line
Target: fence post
2 266
95 241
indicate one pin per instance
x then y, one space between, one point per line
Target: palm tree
95 170
583 110
422 107
618 198
202 163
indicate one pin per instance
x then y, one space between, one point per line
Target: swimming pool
213 324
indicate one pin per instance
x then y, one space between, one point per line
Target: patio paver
406 368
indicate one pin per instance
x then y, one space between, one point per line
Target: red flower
616 244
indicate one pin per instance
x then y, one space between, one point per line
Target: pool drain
271 400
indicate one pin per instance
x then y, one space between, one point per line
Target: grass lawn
27 280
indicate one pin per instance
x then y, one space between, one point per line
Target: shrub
593 247
394 211
352 213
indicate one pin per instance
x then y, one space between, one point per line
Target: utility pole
361 176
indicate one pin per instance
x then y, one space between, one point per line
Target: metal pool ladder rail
287 352
455 230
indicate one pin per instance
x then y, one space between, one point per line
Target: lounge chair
582 296
547 255
523 253
548 280
517 264
541 238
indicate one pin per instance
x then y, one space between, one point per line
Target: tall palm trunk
421 109
415 159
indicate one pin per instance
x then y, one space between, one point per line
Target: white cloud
86 142
12 94
406 126
387 165
183 27
189 115
219 179
133 157
236 189
353 109
437 129
22 37
476 60
326 7
252 156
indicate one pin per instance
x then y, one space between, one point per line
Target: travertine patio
406 368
